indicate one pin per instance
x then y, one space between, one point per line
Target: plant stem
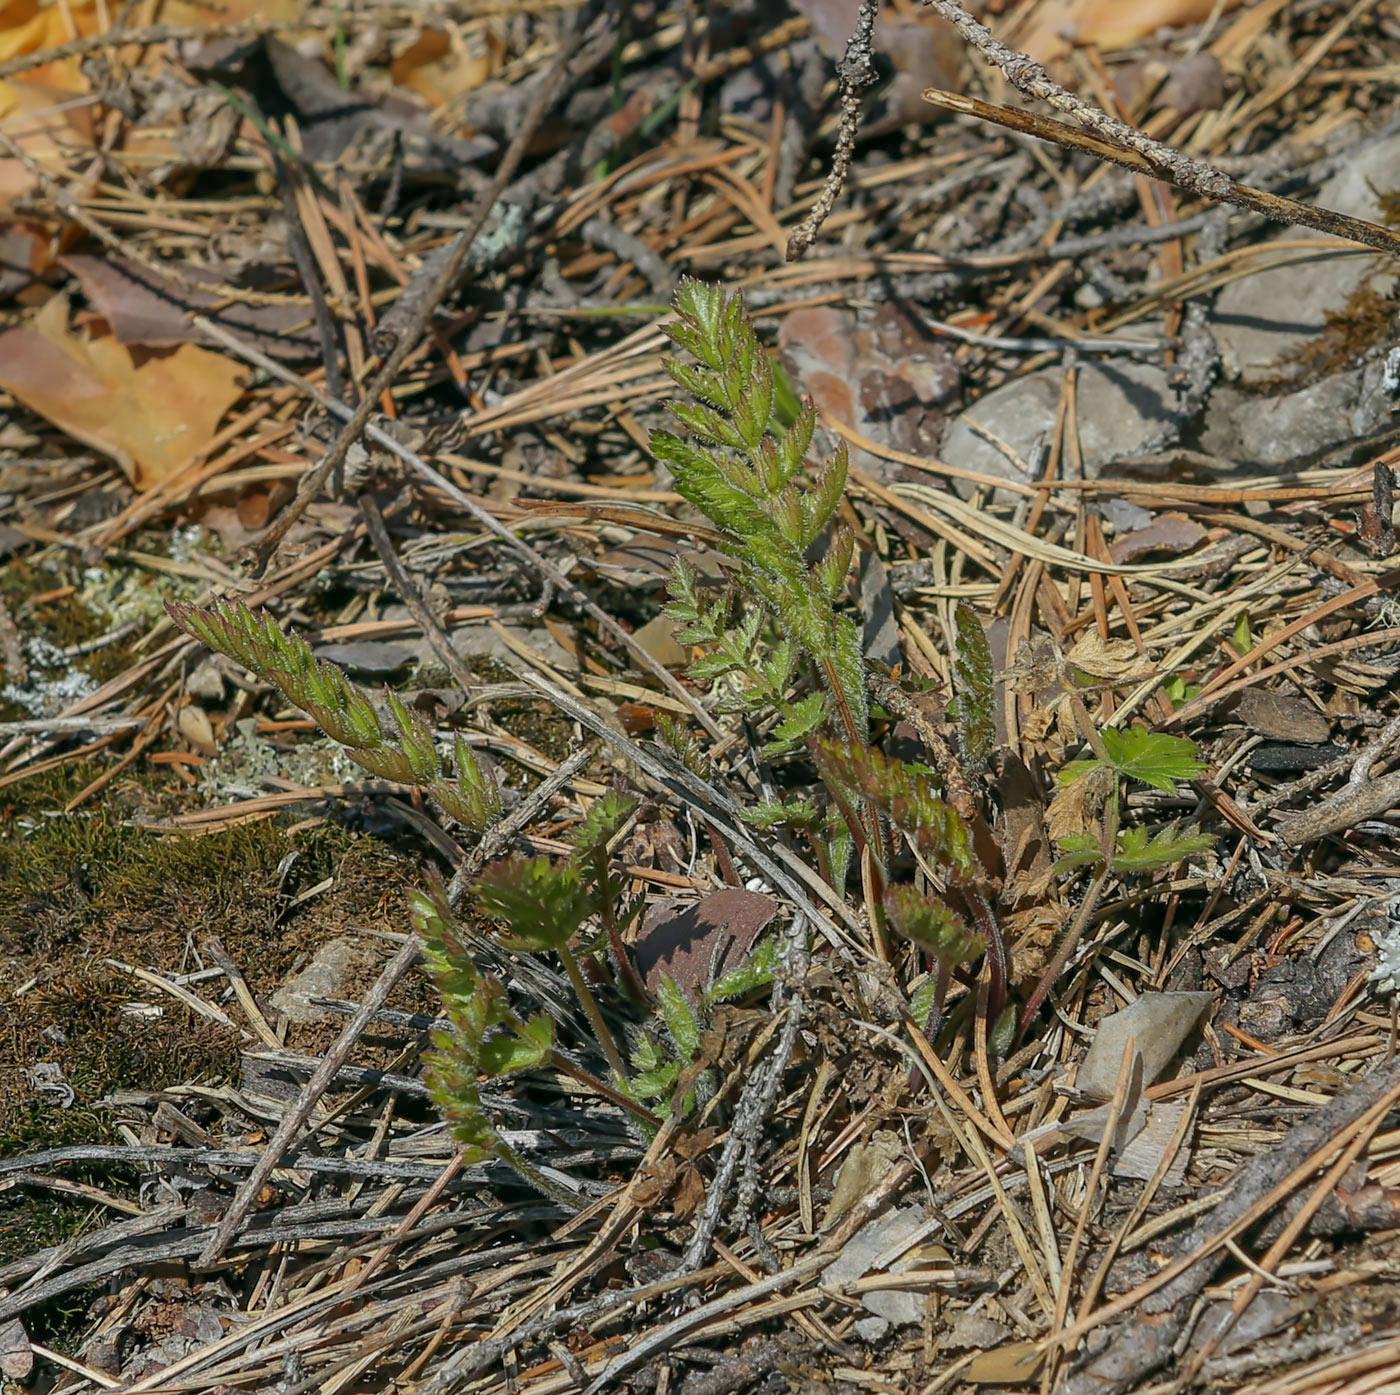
985 919
1077 927
866 819
590 1009
833 683
564 1066
636 989
533 1177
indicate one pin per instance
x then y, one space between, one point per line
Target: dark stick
1146 1342
410 595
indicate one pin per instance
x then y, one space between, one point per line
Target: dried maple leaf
152 411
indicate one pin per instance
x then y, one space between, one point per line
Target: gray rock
1267 314
1292 429
890 1306
324 977
1120 403
372 658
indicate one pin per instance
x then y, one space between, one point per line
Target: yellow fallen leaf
151 410
37 108
27 26
1113 660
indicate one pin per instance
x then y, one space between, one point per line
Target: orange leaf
439 71
151 410
1057 25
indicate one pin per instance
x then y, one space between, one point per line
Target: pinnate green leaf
1136 853
679 1017
542 902
905 796
528 1046
1152 757
1079 850
973 708
755 972
932 925
603 822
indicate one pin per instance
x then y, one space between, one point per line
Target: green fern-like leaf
1079 850
973 708
473 799
796 812
924 1000
603 822
753 486
754 973
1137 853
905 796
406 753
528 1047
679 1017
683 745
800 718
932 924
542 902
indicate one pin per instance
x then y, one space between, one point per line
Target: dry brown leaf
150 410
1074 807
16 1355
1281 716
25 255
1059 25
1113 660
1031 933
1173 533
1017 1363
698 943
881 372
923 50
143 308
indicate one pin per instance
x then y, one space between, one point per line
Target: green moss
62 620
88 878
79 889
81 1022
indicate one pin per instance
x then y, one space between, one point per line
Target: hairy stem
591 1011
533 1177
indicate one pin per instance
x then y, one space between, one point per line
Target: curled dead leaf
151 411
1113 660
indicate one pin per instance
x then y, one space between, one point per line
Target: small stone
324 977
1296 427
1120 404
1263 316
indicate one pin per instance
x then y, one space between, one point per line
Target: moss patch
77 890
1365 320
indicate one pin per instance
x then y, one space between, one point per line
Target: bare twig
408 593
857 70
295 1118
760 1090
1161 1315
1122 144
